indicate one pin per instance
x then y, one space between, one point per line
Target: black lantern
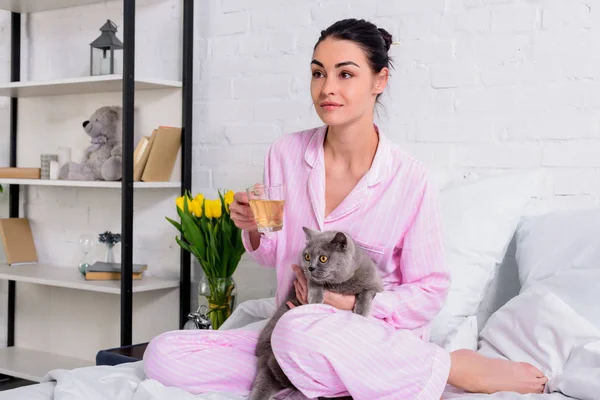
103 59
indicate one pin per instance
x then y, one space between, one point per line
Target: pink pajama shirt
393 215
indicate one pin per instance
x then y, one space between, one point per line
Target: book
20 173
101 266
140 156
101 270
109 276
18 241
163 153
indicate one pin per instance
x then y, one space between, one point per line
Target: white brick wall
478 86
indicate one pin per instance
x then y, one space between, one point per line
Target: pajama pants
323 351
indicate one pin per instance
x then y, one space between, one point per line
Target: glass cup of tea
266 203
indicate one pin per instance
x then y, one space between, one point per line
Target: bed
525 288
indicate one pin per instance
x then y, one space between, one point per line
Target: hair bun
387 38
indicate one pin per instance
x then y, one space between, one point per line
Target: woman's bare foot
475 373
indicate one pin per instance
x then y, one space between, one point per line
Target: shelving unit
32 364
88 84
89 184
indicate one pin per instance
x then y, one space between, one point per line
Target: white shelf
87 84
92 184
42 5
70 277
33 365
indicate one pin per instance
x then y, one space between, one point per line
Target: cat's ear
340 241
309 233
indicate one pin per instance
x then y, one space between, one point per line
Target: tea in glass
267 203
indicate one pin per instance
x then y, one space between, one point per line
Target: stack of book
102 271
155 155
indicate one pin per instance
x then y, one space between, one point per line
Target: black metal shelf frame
127 192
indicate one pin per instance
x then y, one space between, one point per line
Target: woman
346 176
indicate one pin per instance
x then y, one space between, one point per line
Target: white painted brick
471 129
215 88
557 46
236 177
307 38
421 26
451 75
326 13
386 7
488 99
283 43
270 110
258 154
262 87
223 46
564 15
417 75
284 19
215 156
515 18
221 111
571 153
426 52
416 101
253 45
573 181
230 23
431 154
563 125
289 64
522 73
581 68
201 177
502 49
245 133
363 9
498 155
474 21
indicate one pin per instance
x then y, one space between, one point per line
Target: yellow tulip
196 208
179 202
212 208
199 198
229 197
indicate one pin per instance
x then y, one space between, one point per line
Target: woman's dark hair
374 41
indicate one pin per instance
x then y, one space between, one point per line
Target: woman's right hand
241 214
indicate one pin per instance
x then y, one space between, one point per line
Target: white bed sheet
127 381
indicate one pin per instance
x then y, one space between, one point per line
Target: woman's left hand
339 301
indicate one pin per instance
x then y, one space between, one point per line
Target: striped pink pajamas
393 214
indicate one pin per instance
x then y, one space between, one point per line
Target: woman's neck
352 146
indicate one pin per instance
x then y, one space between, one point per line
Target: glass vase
110 257
220 296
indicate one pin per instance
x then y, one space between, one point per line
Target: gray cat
331 261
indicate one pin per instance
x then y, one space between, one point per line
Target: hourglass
86 243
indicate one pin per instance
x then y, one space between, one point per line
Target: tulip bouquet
209 234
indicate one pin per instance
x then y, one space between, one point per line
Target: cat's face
327 257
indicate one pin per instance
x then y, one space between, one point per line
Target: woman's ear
381 80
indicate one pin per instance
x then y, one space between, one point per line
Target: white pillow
479 220
555 242
554 325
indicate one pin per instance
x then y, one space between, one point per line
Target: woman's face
343 86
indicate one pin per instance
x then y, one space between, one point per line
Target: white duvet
550 325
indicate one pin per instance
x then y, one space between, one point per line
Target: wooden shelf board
33 364
81 85
24 6
91 184
70 277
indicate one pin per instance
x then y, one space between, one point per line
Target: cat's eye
307 257
323 259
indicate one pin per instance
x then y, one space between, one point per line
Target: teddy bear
102 160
